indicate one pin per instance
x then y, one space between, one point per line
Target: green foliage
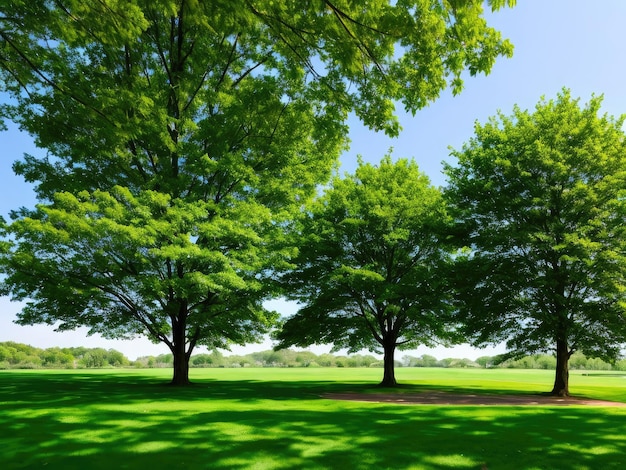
179 136
121 263
93 359
22 356
425 360
282 358
540 200
348 56
368 266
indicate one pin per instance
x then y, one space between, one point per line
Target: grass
275 419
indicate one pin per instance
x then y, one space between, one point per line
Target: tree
179 136
485 361
367 268
429 361
541 199
95 358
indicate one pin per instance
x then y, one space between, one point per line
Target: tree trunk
561 379
181 356
181 368
389 375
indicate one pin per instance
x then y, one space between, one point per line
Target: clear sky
577 44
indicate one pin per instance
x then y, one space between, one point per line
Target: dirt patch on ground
447 398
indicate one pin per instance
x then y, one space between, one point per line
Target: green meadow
277 419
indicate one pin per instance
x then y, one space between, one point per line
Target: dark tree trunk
181 368
181 356
389 374
561 379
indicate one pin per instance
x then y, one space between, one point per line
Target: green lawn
275 418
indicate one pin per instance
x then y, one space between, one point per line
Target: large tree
369 271
541 198
178 135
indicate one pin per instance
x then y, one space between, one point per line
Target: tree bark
181 355
389 374
181 368
561 379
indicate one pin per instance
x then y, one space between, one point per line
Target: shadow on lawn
127 421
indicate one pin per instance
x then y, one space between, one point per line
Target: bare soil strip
446 398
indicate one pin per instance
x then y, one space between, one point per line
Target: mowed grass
277 419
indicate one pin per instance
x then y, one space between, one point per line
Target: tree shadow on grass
108 421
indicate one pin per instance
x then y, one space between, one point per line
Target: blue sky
578 44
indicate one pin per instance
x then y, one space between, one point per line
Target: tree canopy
540 197
368 272
180 134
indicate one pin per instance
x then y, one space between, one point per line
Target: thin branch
50 82
343 14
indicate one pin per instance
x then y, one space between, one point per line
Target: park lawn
277 419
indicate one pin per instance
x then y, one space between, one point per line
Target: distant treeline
21 356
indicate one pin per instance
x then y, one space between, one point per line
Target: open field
277 419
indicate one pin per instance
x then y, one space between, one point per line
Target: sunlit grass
278 419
